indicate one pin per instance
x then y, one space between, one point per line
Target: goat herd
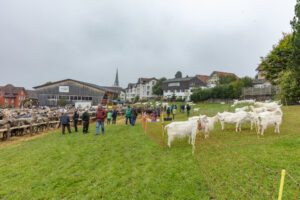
264 114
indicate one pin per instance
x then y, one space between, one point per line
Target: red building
11 95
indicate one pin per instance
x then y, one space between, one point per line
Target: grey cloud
50 40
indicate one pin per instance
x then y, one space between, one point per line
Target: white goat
208 124
242 109
258 110
237 102
196 110
269 106
238 118
181 130
268 118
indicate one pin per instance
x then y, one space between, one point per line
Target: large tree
157 88
178 74
296 42
226 79
278 60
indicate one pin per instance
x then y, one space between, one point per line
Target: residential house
214 78
203 78
182 87
261 82
11 95
260 72
143 89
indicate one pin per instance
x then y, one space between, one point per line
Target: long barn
73 91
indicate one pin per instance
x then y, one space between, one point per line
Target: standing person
60 114
109 115
155 115
188 108
114 116
128 115
65 122
183 107
85 121
174 111
158 111
75 119
100 118
133 116
168 112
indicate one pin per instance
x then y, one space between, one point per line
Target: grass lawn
126 164
121 164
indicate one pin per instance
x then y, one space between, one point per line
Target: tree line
282 63
229 87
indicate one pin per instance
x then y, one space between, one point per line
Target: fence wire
230 175
154 130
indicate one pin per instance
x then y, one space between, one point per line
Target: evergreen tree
157 88
178 74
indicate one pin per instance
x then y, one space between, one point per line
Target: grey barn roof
104 88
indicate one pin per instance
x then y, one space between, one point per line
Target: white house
143 89
214 78
181 87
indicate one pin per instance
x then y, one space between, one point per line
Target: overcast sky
50 40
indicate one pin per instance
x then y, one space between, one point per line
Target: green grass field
125 164
122 164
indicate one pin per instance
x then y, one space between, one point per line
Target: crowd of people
110 116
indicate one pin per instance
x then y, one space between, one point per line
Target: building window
148 93
12 100
21 91
6 100
0 94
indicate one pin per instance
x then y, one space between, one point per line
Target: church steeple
116 84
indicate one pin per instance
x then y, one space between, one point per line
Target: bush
173 98
228 91
289 91
179 99
136 99
62 102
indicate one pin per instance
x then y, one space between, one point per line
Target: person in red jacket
100 118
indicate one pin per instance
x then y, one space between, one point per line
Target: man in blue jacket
65 122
